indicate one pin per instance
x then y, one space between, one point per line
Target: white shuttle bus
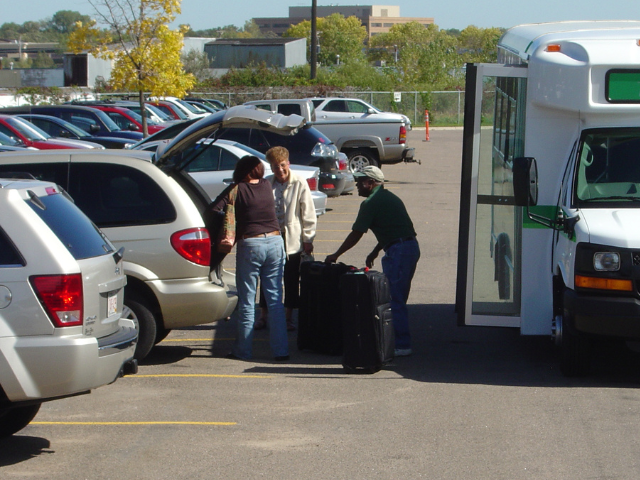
550 203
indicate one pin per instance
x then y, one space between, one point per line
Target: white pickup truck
370 138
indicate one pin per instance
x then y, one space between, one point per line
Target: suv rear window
81 237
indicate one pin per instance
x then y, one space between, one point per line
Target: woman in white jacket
297 217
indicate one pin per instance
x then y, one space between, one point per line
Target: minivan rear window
81 237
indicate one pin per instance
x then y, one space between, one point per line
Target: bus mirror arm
525 193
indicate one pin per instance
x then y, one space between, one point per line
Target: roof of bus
524 39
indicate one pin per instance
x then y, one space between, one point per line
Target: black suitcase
367 323
319 319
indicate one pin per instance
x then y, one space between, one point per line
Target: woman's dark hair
248 168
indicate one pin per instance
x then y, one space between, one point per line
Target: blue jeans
399 265
261 257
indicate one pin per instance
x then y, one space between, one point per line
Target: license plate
112 304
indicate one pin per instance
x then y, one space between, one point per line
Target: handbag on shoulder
227 238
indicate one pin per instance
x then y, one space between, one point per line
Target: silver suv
160 226
61 293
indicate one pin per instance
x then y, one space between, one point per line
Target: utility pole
314 39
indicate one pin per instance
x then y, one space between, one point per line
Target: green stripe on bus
547 211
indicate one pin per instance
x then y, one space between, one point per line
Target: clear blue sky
203 14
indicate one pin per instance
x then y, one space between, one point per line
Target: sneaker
402 352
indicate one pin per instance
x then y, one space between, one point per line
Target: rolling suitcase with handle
319 318
367 323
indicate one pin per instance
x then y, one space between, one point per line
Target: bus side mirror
525 181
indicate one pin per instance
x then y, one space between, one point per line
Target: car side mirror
371 111
133 127
525 181
93 128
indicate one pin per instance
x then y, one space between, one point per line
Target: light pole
314 39
337 59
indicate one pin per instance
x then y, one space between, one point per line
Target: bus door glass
488 290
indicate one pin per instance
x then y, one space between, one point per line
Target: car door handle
228 181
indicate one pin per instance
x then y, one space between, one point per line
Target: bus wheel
502 255
574 352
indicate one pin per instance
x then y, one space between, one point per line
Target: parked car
58 128
152 113
92 121
350 181
202 106
128 119
212 102
181 105
144 210
306 147
31 136
61 302
216 160
337 108
171 110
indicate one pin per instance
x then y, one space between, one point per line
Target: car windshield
111 125
191 108
27 129
608 169
159 113
5 140
75 130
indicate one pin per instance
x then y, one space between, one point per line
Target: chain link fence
445 108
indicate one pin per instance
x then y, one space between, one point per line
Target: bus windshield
608 167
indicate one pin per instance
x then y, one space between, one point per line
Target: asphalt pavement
470 403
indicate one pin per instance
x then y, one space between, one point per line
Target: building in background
375 18
225 53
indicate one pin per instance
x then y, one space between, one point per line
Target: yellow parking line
137 375
135 423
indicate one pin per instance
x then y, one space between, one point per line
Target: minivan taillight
61 296
193 244
403 134
313 183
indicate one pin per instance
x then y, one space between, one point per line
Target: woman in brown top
259 254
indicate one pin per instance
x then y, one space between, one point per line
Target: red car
127 119
31 136
170 109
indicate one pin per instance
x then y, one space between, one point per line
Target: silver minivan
61 299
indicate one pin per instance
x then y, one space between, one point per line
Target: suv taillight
193 244
61 296
403 134
342 164
313 183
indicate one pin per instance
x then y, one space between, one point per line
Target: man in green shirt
385 214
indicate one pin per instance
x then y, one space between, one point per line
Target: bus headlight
606 261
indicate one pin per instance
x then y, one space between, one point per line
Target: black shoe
282 358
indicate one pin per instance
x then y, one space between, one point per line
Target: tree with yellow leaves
144 50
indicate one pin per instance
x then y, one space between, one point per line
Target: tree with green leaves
422 56
145 51
479 45
337 36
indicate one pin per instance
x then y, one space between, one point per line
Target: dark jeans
291 283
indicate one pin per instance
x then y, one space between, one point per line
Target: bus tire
575 360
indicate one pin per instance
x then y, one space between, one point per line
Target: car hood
169 157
